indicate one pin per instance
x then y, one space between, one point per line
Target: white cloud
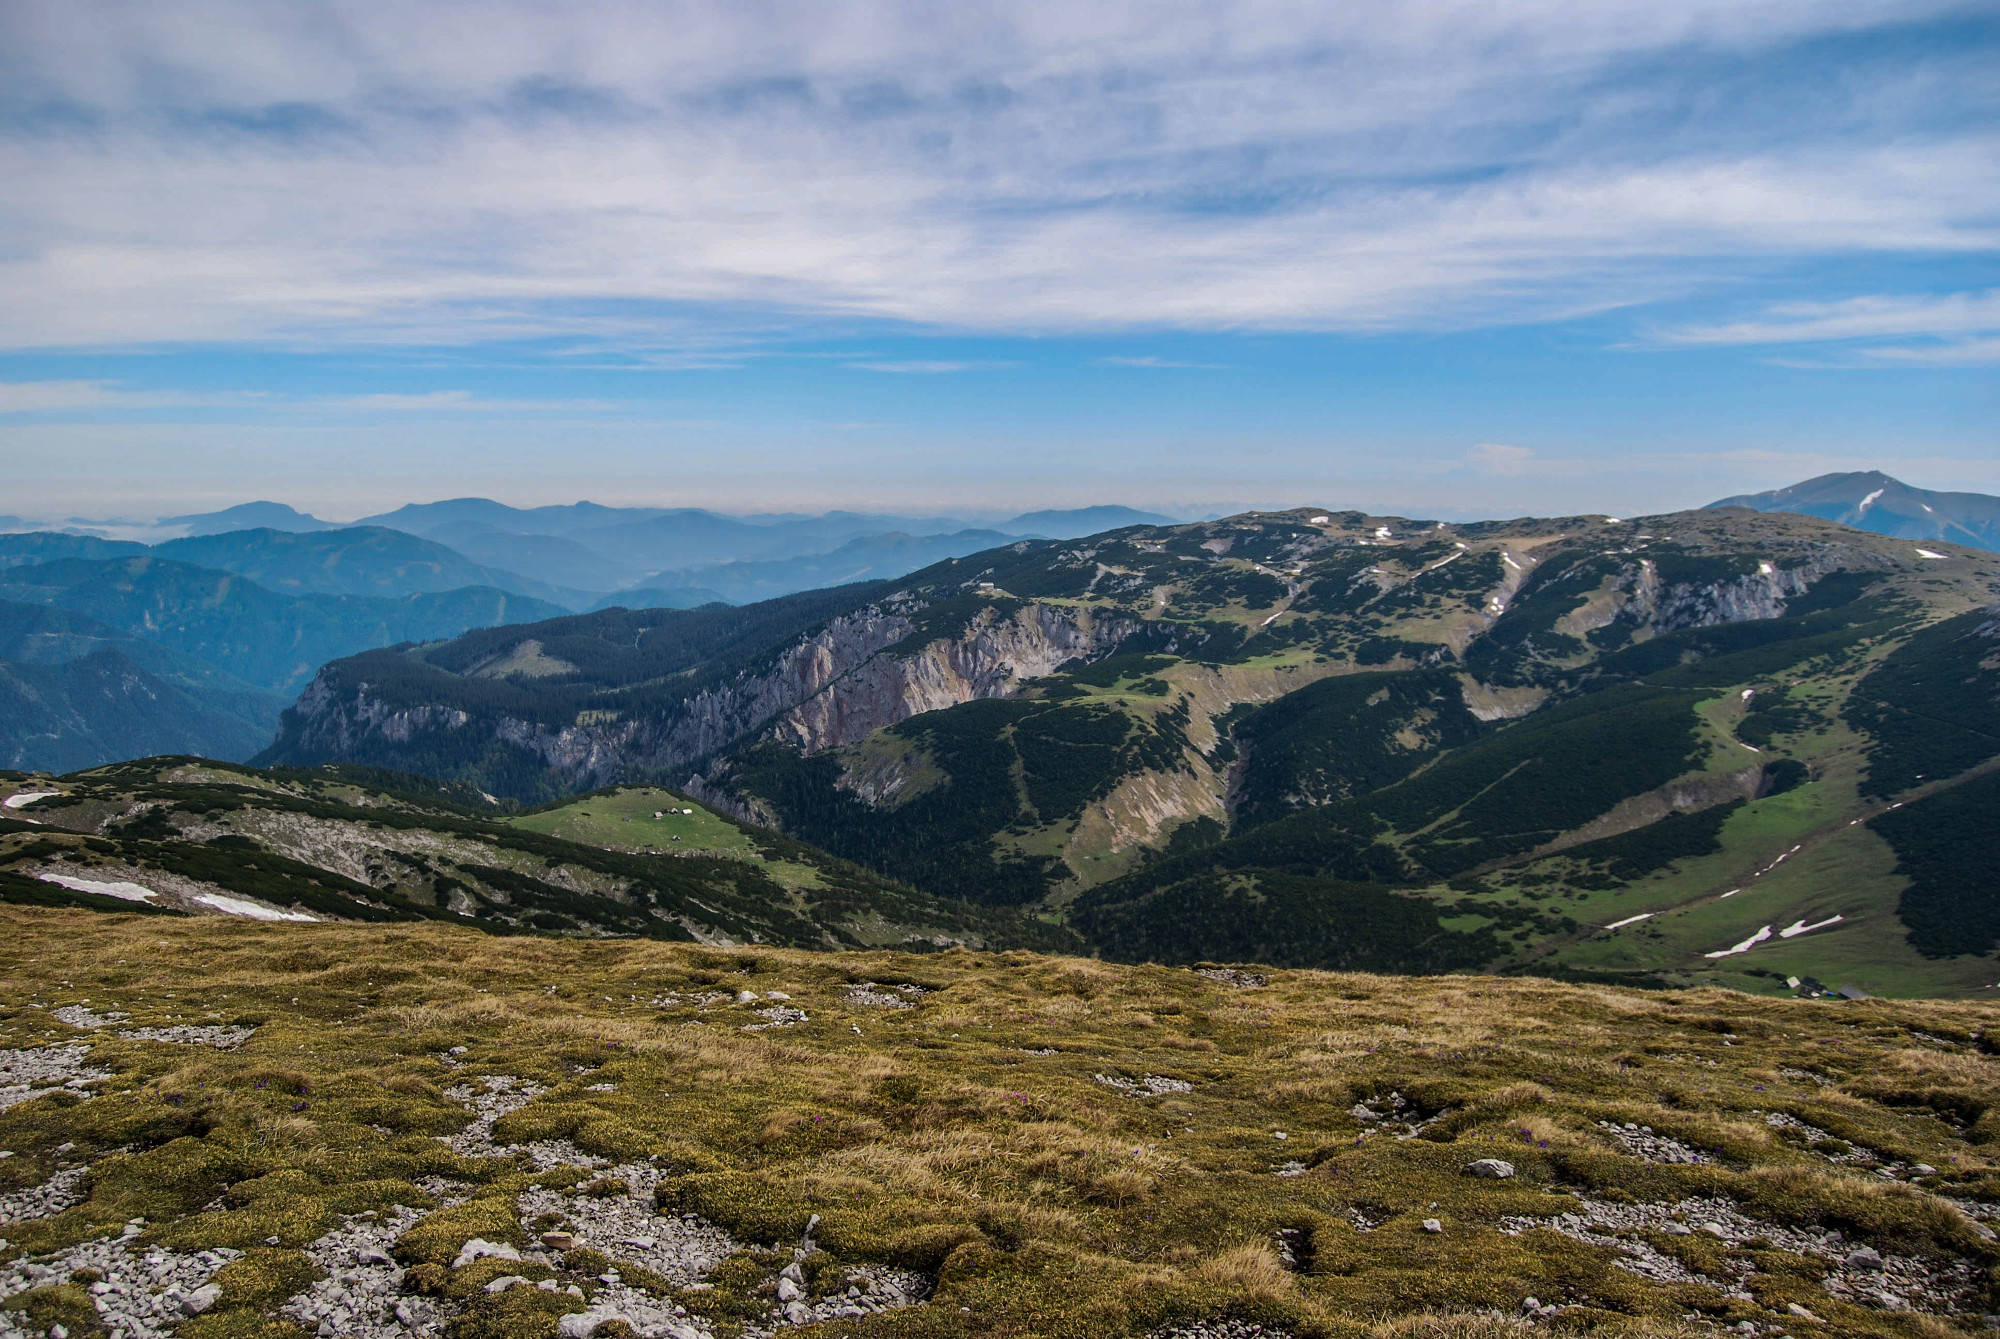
1162 363
1874 316
435 173
1983 352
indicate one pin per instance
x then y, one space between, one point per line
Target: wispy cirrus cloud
1930 330
1170 364
82 397
511 170
926 367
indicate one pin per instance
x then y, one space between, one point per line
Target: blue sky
1441 258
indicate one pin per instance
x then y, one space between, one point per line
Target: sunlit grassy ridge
989 1137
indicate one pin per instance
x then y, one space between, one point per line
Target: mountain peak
249 516
1872 500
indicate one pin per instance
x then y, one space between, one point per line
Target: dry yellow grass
973 1137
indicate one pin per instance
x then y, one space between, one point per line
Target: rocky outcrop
836 685
990 659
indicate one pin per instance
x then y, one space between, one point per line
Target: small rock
1492 1168
405 1315
798 1313
1433 1225
58 1332
746 997
1867 1258
1793 1308
1714 1230
504 1282
1923 1169
793 1272
788 1291
481 1249
201 1299
372 1255
559 1241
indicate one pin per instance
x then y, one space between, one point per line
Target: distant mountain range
1314 738
109 650
112 648
1872 500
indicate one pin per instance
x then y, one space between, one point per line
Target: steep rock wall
830 687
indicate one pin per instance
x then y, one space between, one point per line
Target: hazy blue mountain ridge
1872 500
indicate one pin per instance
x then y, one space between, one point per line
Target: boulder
201 1299
1492 1168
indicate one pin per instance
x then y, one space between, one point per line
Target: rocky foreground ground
213 1129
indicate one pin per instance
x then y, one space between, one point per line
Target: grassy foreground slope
1049 1146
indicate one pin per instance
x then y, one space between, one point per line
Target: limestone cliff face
833 686
990 659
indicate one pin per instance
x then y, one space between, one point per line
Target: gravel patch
778 1015
62 1191
627 1227
1642 1143
1779 1120
877 996
27 1074
361 1297
870 1289
1152 1085
144 1295
186 1034
501 1095
80 1016
1387 1113
1859 1274
1220 1329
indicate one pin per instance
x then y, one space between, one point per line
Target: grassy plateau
1023 1144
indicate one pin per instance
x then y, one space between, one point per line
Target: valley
1593 749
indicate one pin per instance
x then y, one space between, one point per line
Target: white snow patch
237 906
1316 520
1743 947
1732 892
130 892
1927 507
1508 559
1926 553
1630 920
27 797
1799 926
1766 569
1869 501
